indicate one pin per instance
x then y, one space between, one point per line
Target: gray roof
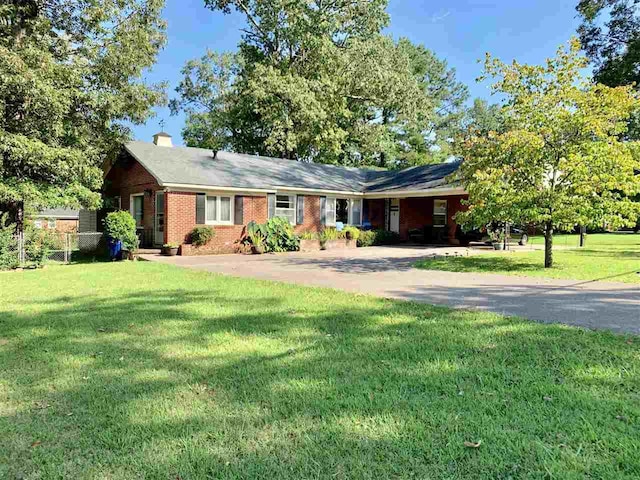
196 166
58 213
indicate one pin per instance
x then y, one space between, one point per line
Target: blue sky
459 31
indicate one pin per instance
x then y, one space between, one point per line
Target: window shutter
238 218
201 199
300 207
271 205
323 210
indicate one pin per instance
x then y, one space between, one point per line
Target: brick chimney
162 139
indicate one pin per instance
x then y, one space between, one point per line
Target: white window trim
445 214
37 223
331 222
52 223
294 201
132 211
232 203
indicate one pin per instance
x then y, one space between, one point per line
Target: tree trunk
548 245
583 231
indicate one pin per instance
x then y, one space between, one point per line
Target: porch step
149 251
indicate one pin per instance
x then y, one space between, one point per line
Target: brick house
61 220
170 190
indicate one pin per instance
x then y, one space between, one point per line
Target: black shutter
201 201
300 207
323 210
238 218
271 205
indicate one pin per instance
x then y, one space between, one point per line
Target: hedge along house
170 190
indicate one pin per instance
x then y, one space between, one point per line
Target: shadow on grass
168 383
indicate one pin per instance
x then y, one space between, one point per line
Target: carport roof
195 166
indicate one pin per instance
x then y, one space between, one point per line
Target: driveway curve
388 272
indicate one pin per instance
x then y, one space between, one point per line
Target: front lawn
141 370
607 257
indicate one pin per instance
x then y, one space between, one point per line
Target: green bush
309 236
201 235
377 237
38 245
351 233
8 244
279 236
367 238
121 226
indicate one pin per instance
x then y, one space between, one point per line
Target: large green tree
316 80
561 158
70 82
610 36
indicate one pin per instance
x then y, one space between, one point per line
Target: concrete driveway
388 272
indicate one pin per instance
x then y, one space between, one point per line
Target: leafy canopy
70 81
561 158
316 80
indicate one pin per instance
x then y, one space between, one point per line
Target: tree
613 45
70 81
317 81
561 158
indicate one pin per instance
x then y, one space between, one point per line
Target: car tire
524 239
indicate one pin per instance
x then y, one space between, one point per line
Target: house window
347 211
219 210
37 223
137 209
286 207
356 212
439 213
342 210
117 202
51 223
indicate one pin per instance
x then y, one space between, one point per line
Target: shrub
351 233
256 234
279 236
8 244
367 238
309 236
201 235
121 226
377 237
38 245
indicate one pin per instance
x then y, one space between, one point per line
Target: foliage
367 238
560 159
289 382
279 236
256 234
8 244
318 81
309 236
370 238
201 235
38 245
613 45
70 83
120 225
171 245
351 233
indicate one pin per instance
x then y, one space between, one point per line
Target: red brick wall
416 212
127 178
375 212
180 214
312 215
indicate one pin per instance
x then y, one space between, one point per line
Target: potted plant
497 239
170 249
256 236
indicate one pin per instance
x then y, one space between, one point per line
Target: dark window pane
342 210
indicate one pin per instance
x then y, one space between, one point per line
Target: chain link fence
24 251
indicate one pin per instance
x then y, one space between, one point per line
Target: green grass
607 257
140 370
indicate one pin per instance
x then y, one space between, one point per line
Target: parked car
516 235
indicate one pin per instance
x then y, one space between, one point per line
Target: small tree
561 157
121 226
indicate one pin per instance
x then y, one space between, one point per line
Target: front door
394 215
159 220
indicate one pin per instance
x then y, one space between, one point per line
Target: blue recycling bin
115 249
